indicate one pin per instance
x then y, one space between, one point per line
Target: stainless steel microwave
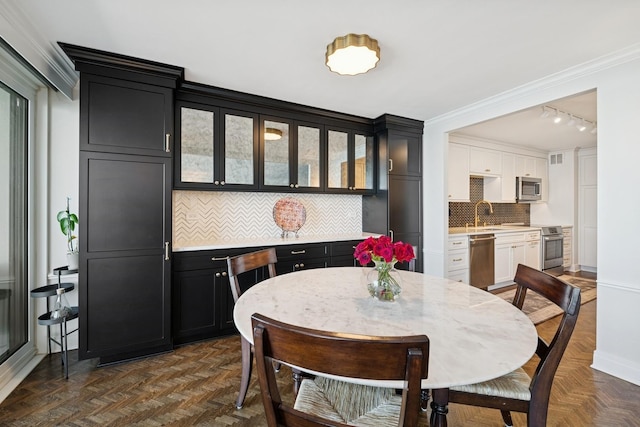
528 189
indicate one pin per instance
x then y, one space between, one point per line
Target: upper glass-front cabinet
350 161
218 148
291 155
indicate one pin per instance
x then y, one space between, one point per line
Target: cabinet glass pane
364 162
196 145
276 153
338 167
238 149
308 157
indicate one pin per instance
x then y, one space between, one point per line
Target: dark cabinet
143 112
350 161
396 208
301 257
201 298
342 254
126 132
217 148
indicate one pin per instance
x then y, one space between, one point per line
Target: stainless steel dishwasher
481 260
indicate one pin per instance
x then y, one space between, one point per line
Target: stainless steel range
552 243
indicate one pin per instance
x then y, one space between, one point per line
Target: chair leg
247 362
506 417
424 400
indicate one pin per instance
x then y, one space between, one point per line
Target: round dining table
474 335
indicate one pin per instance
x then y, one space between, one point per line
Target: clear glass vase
61 307
384 281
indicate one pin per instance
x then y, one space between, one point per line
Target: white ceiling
436 56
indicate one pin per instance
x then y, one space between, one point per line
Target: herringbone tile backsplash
211 216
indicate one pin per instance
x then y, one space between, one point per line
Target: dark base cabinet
202 303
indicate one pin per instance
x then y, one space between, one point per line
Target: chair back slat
343 355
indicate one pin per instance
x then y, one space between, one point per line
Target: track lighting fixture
572 120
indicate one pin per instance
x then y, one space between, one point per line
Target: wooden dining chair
236 266
331 402
517 391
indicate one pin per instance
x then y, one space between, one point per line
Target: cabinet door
503 267
484 162
532 254
276 153
517 257
526 166
194 299
405 156
124 279
350 165
238 155
120 116
458 173
308 149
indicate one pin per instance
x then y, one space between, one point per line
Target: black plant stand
46 320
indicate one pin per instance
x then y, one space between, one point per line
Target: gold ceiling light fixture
272 134
352 54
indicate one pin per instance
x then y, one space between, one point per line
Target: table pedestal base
439 407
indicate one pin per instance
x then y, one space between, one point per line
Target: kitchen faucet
477 220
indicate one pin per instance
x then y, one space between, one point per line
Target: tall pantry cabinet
126 142
396 208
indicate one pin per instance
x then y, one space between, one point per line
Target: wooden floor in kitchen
197 385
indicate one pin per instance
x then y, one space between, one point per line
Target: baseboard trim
15 369
626 370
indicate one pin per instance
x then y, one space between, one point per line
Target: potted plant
68 222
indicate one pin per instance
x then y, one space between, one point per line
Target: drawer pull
167 143
457 259
298 252
220 259
166 251
457 243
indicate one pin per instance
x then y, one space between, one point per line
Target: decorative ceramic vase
72 260
384 281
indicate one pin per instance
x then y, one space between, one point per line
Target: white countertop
270 241
494 229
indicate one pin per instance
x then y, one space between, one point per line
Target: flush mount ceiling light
272 134
352 54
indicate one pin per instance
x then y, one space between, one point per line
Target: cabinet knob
487 170
224 274
216 182
290 185
297 186
221 182
217 274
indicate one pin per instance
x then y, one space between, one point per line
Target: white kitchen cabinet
509 252
502 189
526 166
532 250
458 258
485 162
458 173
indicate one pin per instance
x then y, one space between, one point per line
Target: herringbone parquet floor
197 385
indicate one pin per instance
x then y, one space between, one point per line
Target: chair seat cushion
514 385
354 404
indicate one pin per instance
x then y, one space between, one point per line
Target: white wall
62 181
616 80
560 208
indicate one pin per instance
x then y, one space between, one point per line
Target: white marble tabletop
474 335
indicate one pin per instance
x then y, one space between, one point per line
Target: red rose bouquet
383 249
383 280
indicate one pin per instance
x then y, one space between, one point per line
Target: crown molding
614 59
45 57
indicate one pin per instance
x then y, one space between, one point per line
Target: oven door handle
550 238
